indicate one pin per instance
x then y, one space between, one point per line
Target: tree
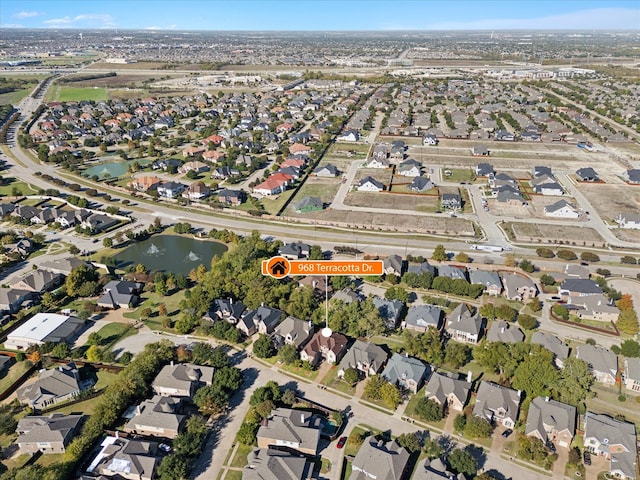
478 427
535 304
589 257
531 448
211 399
528 322
536 374
439 253
432 448
8 424
457 354
82 282
429 410
288 397
545 252
461 461
397 293
229 378
410 441
573 386
628 260
427 346
263 347
510 260
93 353
462 257
628 321
630 348
288 354
488 311
560 311
316 253
390 395
547 279
527 266
505 312
107 242
625 302
373 387
247 433
351 376
62 350
459 423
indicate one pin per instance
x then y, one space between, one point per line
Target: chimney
546 399
469 376
230 301
302 418
117 434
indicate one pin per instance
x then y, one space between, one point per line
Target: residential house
125 459
394 265
168 164
497 404
448 390
231 197
602 362
52 386
196 191
491 280
587 174
46 434
551 421
594 307
409 168
389 310
453 272
451 200
327 170
182 379
5 364
64 266
632 374
628 220
161 416
561 209
44 327
285 427
98 223
370 184
429 139
421 317
546 185
272 185
484 170
579 287
504 136
195 166
144 183
170 189
348 136
379 461
434 469
615 440
518 287
367 358
463 326
347 295
226 309
632 176
319 283
325 344
501 331
552 343
421 185
419 268
407 372
479 151
38 281
12 299
263 320
293 331
120 294
295 250
275 464
308 204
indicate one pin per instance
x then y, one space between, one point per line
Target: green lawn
233 475
240 458
299 371
152 300
7 187
331 380
71 94
113 332
459 175
13 98
274 206
16 370
17 462
49 459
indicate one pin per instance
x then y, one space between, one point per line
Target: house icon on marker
278 268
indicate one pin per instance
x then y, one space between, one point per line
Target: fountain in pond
193 257
153 250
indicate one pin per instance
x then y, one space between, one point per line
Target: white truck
488 248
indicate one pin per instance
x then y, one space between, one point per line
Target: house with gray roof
120 294
452 271
628 220
367 358
295 250
394 264
370 184
518 287
46 434
125 458
262 319
63 266
614 440
226 309
552 343
579 287
12 299
594 307
297 429
182 379
587 174
308 204
421 317
52 386
380 461
160 416
491 280
347 295
327 170
448 390
389 310
293 331
434 469
501 331
419 268
551 421
632 374
451 200
497 404
421 184
602 362
38 281
463 326
406 372
274 464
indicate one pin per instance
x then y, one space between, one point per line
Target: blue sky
322 15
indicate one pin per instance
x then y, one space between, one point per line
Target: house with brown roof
196 191
325 344
142 184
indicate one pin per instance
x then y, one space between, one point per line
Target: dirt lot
415 203
568 234
409 223
627 235
379 174
609 200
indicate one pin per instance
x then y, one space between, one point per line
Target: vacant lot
119 81
73 94
610 200
627 235
324 188
414 203
380 174
567 234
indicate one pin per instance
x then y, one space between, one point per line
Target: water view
171 253
108 170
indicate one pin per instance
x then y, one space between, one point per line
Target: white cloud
11 25
27 14
84 20
597 18
173 26
58 21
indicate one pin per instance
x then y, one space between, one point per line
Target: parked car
341 442
586 456
507 432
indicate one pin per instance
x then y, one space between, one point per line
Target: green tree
505 312
432 448
173 467
567 254
630 348
457 354
288 354
462 257
351 376
316 253
94 353
628 260
439 253
535 305
628 321
459 423
8 424
528 322
410 441
397 293
107 242
82 282
461 461
478 427
263 347
61 350
560 311
211 399
288 397
390 395
526 265
429 410
488 311
545 252
373 387
536 375
547 279
573 386
589 257
427 346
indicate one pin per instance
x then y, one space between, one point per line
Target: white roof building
44 327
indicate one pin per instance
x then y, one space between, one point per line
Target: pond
109 170
171 253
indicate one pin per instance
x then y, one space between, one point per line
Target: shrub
589 257
628 260
567 255
527 322
560 311
545 252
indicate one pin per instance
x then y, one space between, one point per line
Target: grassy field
9 183
152 300
331 380
240 458
16 370
299 371
273 206
13 98
113 332
73 94
459 175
